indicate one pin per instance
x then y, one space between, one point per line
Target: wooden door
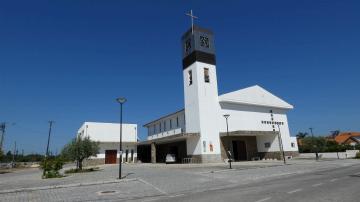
239 150
110 156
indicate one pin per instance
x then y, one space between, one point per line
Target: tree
51 166
1 154
312 144
79 149
301 135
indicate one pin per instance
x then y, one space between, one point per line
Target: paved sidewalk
149 181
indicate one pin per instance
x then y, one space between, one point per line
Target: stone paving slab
119 191
149 181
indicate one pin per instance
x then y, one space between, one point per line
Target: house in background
351 138
108 135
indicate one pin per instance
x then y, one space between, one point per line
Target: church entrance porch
176 148
243 148
155 150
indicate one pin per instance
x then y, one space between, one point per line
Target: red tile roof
342 137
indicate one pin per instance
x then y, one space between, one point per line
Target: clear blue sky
67 61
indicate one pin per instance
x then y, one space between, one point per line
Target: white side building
108 135
257 123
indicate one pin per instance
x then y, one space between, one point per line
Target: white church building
257 120
108 136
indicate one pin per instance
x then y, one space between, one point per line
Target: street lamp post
227 134
314 145
120 100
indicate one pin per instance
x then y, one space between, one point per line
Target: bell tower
202 109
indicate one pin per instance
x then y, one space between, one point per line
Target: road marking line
176 195
333 180
158 189
293 191
316 185
264 199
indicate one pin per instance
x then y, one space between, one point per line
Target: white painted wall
272 139
115 146
109 132
249 118
331 155
202 109
177 126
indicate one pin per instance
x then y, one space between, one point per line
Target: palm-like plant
301 135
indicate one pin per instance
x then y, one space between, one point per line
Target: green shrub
51 167
357 155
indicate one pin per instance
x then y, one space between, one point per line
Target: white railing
165 133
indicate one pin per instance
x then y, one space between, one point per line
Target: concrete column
153 152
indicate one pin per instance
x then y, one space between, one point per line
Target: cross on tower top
192 20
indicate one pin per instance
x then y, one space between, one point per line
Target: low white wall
331 155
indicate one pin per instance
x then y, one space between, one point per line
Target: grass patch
84 170
52 174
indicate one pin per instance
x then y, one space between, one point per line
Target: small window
177 121
170 124
154 129
190 77
206 75
164 125
160 127
292 144
271 111
267 144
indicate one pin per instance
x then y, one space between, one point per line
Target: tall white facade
258 125
201 100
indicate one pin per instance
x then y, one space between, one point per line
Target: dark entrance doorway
176 148
110 156
239 149
144 153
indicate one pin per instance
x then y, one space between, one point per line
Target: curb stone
65 186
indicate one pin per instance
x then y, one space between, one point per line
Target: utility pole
314 145
2 129
48 142
14 154
47 147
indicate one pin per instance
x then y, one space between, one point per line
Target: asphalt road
340 185
299 180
